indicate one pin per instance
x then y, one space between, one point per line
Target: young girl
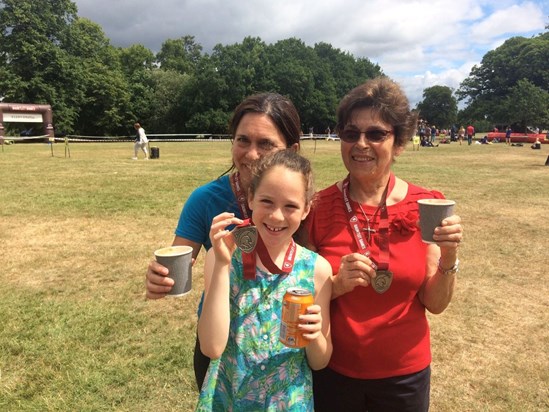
240 322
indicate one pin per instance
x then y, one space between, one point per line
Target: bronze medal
245 238
382 281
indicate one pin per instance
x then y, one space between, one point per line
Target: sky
418 43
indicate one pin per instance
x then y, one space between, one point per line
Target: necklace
369 229
384 276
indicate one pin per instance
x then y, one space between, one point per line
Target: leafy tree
48 55
137 63
203 93
342 67
365 69
291 71
337 72
33 68
136 58
490 83
244 68
103 98
528 105
438 106
289 67
212 120
163 100
473 114
181 55
347 71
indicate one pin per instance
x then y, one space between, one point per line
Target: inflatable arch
26 113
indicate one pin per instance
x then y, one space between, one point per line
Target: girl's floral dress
256 371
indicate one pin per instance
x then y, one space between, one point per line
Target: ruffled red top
376 335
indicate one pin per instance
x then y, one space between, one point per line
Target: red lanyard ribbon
383 230
240 195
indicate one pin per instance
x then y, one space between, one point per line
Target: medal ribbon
240 195
383 229
249 259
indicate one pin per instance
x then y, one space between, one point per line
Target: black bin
155 152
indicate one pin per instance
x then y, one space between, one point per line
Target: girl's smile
278 206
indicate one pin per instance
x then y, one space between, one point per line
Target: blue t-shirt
204 203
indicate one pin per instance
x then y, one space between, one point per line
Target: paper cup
431 214
178 260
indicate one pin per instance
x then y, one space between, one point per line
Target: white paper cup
431 214
178 260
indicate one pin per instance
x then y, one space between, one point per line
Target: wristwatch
452 271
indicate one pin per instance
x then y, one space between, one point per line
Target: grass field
76 235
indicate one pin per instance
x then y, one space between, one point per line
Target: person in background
385 278
453 133
470 134
239 328
461 134
508 135
422 132
536 145
261 124
141 141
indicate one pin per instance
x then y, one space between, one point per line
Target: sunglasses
373 135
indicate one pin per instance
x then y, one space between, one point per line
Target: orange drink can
295 303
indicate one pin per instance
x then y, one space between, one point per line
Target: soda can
295 302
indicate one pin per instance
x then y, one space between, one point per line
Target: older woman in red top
384 276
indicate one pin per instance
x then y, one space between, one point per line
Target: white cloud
518 18
414 85
419 43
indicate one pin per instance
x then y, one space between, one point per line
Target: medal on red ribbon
384 277
248 240
382 281
245 237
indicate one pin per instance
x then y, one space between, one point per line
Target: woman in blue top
251 370
261 124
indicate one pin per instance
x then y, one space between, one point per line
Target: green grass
76 235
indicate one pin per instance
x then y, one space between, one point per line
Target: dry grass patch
77 234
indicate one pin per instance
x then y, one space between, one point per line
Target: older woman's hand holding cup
431 214
440 225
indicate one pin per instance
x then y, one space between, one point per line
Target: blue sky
419 43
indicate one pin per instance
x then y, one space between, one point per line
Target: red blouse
376 335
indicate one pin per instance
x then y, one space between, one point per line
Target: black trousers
335 392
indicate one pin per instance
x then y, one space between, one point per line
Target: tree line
50 55
509 87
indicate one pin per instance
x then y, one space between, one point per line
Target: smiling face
364 158
256 135
278 205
